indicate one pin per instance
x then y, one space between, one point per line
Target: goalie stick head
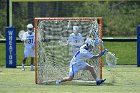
111 59
21 33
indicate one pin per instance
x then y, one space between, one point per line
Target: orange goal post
53 54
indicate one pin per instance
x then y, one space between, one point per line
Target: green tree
119 18
2 18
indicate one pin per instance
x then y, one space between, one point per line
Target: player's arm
101 54
96 56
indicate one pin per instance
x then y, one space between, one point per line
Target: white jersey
75 41
29 40
81 55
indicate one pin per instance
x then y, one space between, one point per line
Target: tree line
120 18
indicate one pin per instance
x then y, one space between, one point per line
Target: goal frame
64 18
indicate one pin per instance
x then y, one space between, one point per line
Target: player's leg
86 66
23 63
64 80
26 55
32 55
32 64
72 71
67 79
91 70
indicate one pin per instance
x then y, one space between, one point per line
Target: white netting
53 54
110 58
20 34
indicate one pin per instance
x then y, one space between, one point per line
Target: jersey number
30 41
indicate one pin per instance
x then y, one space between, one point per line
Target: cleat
98 82
23 69
57 82
32 68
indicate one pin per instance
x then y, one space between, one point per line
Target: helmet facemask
30 28
90 43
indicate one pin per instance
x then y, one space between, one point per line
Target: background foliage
120 18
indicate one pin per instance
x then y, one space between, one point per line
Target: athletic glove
104 52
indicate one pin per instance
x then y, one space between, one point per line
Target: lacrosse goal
52 55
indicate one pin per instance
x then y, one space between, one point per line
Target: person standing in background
75 40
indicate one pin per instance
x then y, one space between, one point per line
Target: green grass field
125 51
126 80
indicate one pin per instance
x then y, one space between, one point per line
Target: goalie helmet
30 28
90 42
98 41
75 29
93 33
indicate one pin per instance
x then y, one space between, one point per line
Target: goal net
52 52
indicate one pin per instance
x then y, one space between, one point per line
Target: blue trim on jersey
85 48
72 71
77 53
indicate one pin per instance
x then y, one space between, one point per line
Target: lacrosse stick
111 61
110 58
21 34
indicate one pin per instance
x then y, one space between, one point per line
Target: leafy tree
119 18
2 18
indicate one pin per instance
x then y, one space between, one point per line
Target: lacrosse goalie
77 62
28 38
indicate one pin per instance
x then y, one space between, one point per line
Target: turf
126 80
125 52
19 54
